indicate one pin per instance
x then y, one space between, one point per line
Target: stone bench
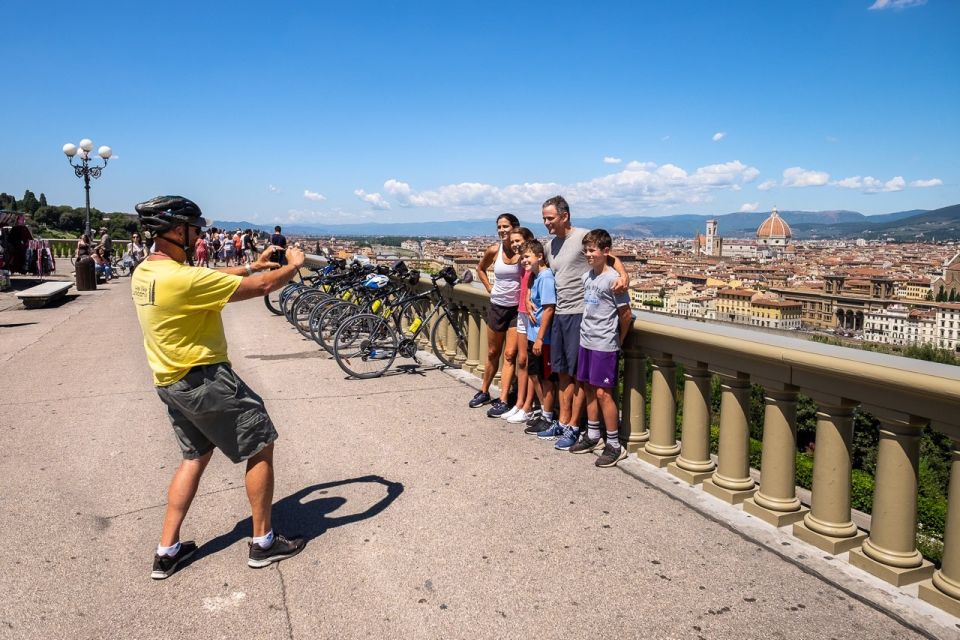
43 294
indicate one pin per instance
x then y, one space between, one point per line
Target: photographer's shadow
292 516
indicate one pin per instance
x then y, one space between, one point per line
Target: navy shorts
565 343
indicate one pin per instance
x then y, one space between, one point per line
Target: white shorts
521 324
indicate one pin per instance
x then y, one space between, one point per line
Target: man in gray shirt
565 257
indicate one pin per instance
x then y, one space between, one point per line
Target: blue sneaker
568 439
552 432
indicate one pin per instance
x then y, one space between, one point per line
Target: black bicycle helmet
165 212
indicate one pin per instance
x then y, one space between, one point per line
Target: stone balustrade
904 394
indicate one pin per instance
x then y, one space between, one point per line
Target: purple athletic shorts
597 368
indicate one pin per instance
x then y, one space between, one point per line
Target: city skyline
388 113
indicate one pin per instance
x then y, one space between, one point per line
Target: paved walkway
425 518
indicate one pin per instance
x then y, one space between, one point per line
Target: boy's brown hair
599 238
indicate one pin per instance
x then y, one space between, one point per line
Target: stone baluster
633 425
890 551
482 356
695 464
662 447
731 482
473 341
776 501
827 525
454 350
944 590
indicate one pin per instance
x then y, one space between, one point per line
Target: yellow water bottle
415 325
376 306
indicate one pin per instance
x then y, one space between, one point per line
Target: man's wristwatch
249 269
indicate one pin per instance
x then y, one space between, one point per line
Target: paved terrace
425 518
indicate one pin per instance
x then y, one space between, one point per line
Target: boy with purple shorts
606 321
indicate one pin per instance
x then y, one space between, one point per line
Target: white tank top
506 282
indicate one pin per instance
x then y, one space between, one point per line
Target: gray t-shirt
600 328
565 257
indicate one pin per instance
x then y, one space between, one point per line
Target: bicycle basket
449 275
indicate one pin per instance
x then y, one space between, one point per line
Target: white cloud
639 185
611 160
273 189
375 200
665 138
749 207
880 5
766 185
313 195
923 184
719 135
869 184
800 177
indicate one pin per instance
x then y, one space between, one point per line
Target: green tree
29 204
953 296
941 295
72 220
43 199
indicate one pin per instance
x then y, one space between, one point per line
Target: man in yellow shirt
210 407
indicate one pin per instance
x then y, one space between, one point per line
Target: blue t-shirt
542 291
600 327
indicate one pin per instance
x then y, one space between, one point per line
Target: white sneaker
519 417
509 414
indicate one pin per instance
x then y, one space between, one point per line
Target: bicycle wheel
300 312
286 302
330 320
446 351
272 301
365 346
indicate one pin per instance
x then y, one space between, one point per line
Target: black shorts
538 365
212 407
500 319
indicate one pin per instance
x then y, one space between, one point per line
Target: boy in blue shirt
543 302
606 321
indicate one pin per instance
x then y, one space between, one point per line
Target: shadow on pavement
294 517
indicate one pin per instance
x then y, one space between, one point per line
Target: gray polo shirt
600 328
565 257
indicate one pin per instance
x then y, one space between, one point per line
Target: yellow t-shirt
179 311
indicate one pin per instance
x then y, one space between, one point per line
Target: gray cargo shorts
212 407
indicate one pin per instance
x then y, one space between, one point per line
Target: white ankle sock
264 541
169 551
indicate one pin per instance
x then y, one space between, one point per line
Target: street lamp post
86 170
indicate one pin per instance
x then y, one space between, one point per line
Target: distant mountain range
940 224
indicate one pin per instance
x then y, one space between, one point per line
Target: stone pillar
731 482
482 356
633 425
944 590
662 447
776 501
890 551
694 464
473 341
458 354
827 525
450 340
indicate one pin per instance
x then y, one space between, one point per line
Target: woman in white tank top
502 315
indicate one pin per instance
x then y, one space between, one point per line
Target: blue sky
396 111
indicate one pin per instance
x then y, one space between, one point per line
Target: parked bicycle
366 345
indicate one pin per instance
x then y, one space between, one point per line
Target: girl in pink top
523 410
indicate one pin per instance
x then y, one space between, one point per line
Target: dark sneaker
165 566
480 399
610 456
551 432
537 425
281 549
497 409
568 439
586 444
